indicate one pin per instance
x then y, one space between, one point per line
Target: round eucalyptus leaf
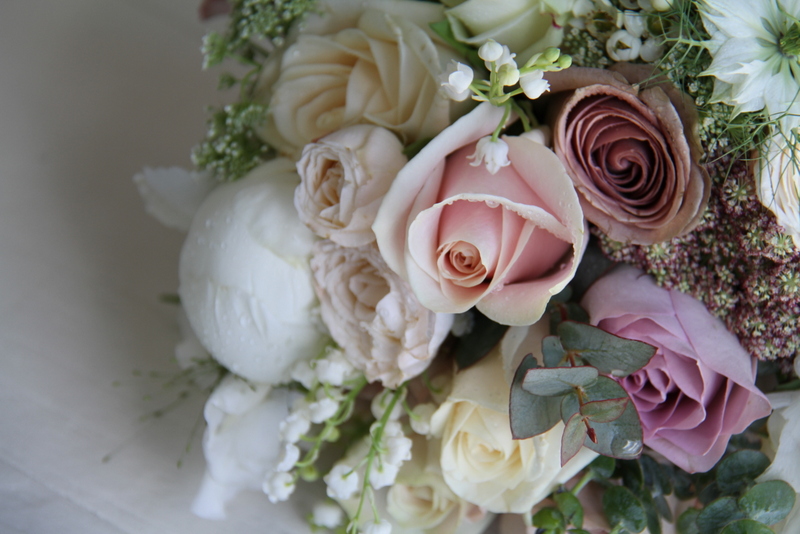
768 502
623 508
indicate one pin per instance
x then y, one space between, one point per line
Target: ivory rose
480 460
632 151
356 61
245 282
524 26
464 237
373 315
699 388
343 178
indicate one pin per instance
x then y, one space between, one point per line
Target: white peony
779 184
245 282
373 315
240 444
480 460
344 177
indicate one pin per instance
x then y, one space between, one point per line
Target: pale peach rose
356 61
464 237
343 178
373 315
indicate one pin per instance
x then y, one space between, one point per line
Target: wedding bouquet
536 258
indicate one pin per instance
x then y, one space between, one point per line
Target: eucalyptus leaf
531 415
555 381
746 526
621 438
740 469
603 466
687 522
623 508
572 509
549 518
553 352
483 337
605 411
713 518
768 502
611 354
653 521
573 437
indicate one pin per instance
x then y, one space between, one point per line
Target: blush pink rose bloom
699 389
463 237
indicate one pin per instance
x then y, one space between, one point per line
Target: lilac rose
699 389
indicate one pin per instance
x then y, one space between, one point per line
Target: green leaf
605 411
573 437
623 508
549 518
621 438
553 352
603 466
483 337
656 476
632 474
653 521
713 518
740 469
609 353
746 526
531 415
554 381
565 311
768 502
687 522
570 507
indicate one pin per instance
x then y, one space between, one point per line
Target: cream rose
245 282
464 237
480 460
373 315
343 178
374 61
524 26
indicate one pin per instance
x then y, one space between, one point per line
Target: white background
90 92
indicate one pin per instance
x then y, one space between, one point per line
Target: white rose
240 444
374 61
779 184
373 315
525 26
480 461
344 177
245 282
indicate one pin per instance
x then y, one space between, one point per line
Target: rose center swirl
461 263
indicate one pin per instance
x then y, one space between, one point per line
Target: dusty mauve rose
373 315
632 151
343 178
356 61
464 237
699 389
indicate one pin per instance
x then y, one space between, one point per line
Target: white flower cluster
632 39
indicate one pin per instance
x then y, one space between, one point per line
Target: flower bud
490 51
551 54
508 74
622 46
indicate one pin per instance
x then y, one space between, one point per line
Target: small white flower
506 58
335 369
342 482
398 450
421 419
381 402
456 83
493 153
327 515
490 51
381 527
289 457
660 5
392 428
634 23
294 426
279 487
383 474
303 373
534 85
322 410
622 46
651 50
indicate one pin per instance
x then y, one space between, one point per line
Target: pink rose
463 237
699 389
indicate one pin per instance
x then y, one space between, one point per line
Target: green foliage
232 146
522 404
609 353
483 337
623 508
